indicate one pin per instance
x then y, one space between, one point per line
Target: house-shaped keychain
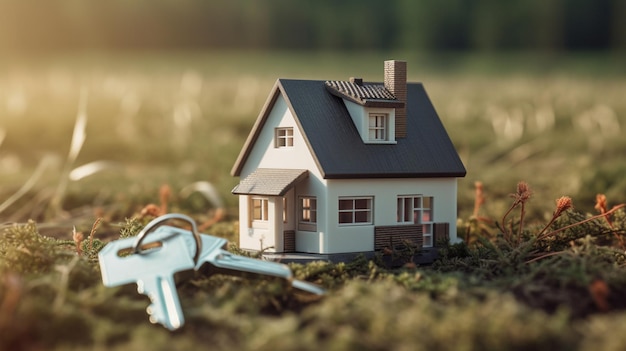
334 168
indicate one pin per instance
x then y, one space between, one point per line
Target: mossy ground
491 295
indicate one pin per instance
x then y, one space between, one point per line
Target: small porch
267 211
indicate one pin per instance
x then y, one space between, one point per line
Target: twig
93 232
545 235
544 256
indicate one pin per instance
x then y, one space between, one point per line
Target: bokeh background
167 91
555 25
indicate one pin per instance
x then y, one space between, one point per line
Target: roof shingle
270 181
363 94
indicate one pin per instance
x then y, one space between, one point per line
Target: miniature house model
334 167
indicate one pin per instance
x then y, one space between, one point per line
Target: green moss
24 250
468 300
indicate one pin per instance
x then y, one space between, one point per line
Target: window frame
283 137
354 210
378 129
421 206
307 204
263 209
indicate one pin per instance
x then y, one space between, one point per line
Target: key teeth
150 311
152 316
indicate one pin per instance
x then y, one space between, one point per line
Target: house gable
260 149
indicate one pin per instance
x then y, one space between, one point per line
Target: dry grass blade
90 168
79 136
78 139
3 134
43 165
207 189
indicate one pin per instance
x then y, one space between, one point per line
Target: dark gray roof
361 93
338 149
270 181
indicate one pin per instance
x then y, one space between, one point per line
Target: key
213 253
164 253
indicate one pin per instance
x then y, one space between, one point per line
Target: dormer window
378 127
283 137
373 107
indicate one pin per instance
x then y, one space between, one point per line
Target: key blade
308 287
212 253
165 306
226 260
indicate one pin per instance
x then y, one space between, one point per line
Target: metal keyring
159 220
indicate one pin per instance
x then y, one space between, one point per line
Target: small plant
477 225
131 228
24 250
520 197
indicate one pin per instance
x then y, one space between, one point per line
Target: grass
526 279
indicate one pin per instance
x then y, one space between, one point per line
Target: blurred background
102 102
36 26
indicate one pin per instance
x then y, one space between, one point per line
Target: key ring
155 222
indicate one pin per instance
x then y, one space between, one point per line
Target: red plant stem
542 236
515 203
521 225
544 256
93 232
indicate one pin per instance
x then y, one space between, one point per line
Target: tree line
429 25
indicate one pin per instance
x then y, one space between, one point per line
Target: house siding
385 192
394 236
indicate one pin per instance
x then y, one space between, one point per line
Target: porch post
276 222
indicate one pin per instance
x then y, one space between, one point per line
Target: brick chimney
395 81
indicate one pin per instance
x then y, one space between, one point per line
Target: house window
378 126
259 208
284 137
417 209
308 213
357 210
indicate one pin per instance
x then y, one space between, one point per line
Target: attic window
283 137
378 127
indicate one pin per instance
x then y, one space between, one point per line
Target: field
180 118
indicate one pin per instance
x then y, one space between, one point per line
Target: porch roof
270 181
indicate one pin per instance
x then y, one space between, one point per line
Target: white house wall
261 235
385 192
265 155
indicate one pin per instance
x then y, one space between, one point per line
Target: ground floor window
417 209
308 213
259 207
355 210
